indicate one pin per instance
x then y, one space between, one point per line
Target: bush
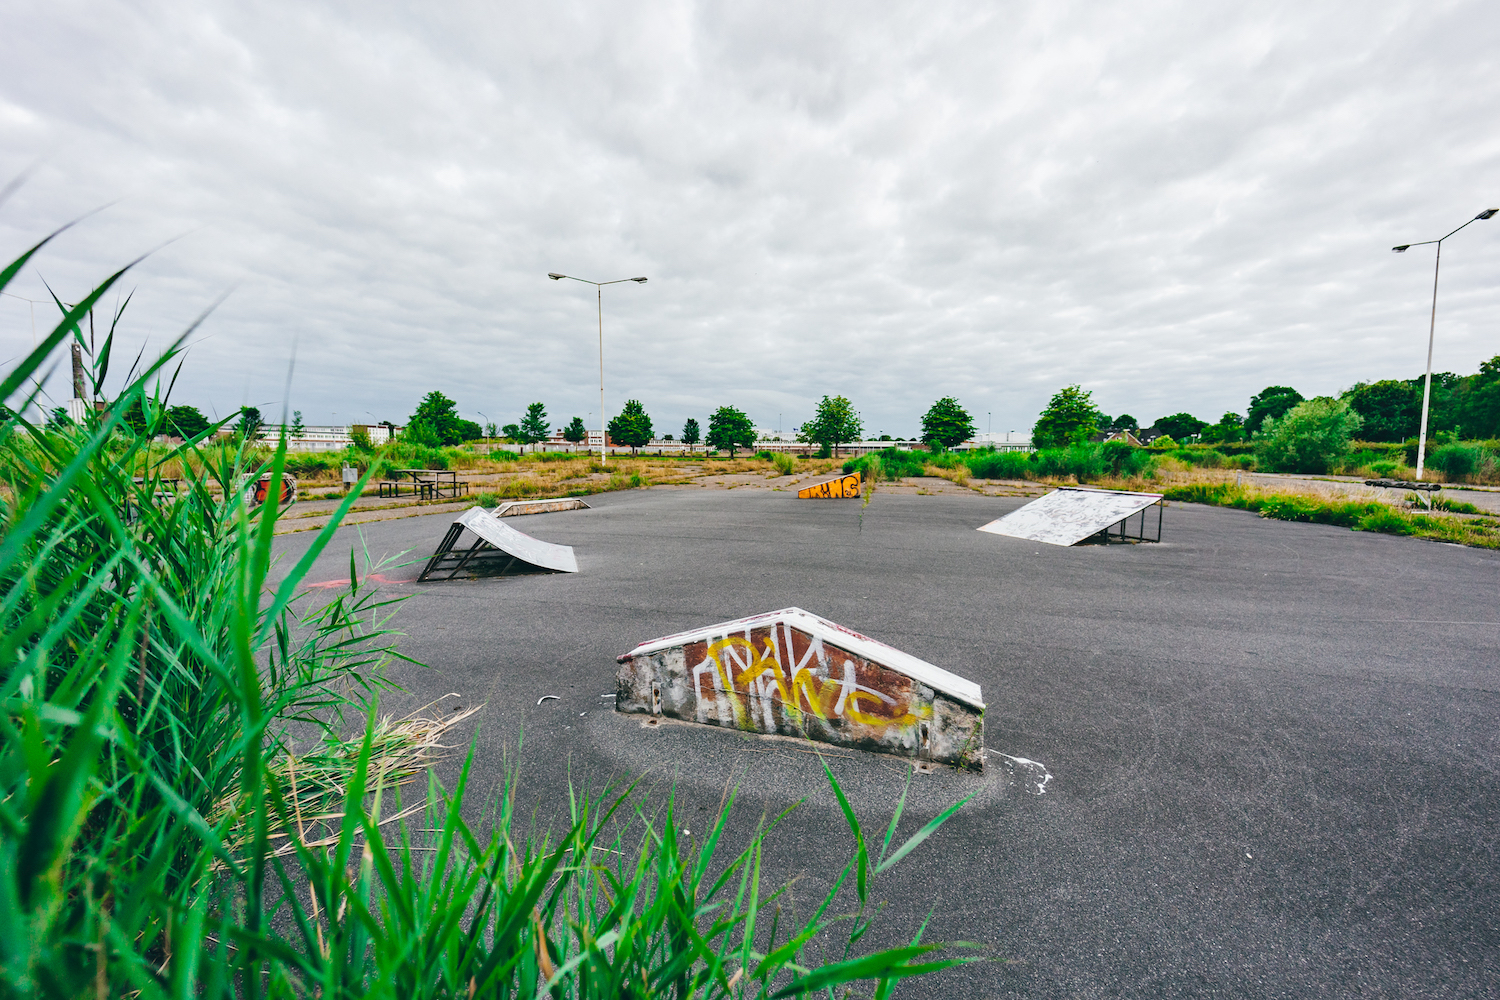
784 462
1459 462
999 464
892 464
1310 438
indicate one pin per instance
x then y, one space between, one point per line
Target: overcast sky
1173 204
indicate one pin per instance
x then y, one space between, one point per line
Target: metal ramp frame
498 550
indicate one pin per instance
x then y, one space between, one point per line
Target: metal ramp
1072 514
497 550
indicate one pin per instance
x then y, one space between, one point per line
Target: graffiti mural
795 674
844 487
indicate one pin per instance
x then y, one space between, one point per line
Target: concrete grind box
793 673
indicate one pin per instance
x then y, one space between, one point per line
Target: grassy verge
199 797
1357 515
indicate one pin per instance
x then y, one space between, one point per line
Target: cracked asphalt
1256 760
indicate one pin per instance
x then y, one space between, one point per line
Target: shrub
1309 438
1459 462
999 464
784 463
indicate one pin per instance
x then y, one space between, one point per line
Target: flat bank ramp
515 508
1070 514
497 549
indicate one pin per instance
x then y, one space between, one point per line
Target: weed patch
1357 515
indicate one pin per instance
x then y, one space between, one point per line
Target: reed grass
164 833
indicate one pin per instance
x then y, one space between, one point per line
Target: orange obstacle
840 487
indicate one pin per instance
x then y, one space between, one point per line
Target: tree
135 419
1180 426
631 426
1309 437
946 424
511 432
534 427
250 423
1125 422
728 428
690 432
1391 409
439 415
575 431
1070 417
421 433
1268 404
469 430
834 423
1479 401
491 429
186 421
1231 427
361 438
297 428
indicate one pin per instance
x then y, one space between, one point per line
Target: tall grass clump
1357 515
990 464
198 796
1463 462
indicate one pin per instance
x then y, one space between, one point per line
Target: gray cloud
1174 204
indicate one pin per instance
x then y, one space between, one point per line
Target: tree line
1390 410
834 423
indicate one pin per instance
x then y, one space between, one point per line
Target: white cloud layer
1174 204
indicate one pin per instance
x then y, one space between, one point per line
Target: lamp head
643 280
1487 213
1401 249
556 277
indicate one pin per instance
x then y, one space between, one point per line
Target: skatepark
1255 759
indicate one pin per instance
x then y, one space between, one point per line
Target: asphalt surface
1265 752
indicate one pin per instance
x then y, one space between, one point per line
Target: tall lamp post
599 289
1432 328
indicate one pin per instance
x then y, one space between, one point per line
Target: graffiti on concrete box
775 674
844 487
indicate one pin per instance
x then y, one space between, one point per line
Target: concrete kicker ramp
1070 514
839 487
515 508
498 549
793 673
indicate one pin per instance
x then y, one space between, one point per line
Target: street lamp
598 288
1432 328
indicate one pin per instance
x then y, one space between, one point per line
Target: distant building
1000 441
1121 435
324 437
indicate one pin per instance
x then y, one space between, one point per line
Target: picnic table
426 484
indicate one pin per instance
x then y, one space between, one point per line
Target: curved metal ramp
498 549
1070 514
